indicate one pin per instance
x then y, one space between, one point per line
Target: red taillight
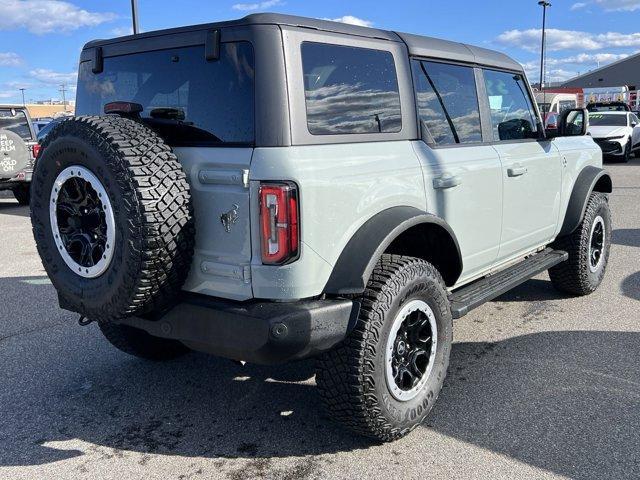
279 222
35 149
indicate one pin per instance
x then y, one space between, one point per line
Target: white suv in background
617 133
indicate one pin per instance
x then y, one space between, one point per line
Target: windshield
16 122
187 99
607 120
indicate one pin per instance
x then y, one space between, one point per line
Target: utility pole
63 89
134 16
544 4
24 104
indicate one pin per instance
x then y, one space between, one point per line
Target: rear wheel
140 344
383 380
588 247
23 194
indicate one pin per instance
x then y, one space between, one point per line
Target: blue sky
40 40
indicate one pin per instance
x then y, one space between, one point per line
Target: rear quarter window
188 100
15 121
350 90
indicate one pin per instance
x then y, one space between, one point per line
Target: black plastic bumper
258 332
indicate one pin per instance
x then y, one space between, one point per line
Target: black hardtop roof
417 44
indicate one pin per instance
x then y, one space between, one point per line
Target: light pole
24 104
134 15
544 4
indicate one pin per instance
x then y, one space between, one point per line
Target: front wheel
383 380
588 247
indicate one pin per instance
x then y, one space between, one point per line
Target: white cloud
10 59
578 6
619 5
567 39
246 7
46 16
121 31
351 20
50 77
564 68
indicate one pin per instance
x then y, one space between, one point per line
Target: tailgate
220 195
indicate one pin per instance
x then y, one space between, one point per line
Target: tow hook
84 321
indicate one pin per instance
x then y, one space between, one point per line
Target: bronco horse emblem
229 218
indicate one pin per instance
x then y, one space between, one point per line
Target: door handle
516 171
447 181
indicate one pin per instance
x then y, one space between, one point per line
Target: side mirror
572 123
634 124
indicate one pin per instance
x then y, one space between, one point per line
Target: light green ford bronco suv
276 188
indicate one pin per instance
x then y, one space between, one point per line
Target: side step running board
475 294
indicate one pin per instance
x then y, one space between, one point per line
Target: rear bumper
257 332
18 179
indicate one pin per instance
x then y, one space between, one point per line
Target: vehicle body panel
473 208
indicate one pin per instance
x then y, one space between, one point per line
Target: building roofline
604 67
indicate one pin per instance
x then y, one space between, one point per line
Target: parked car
276 188
45 129
608 107
617 133
18 150
40 123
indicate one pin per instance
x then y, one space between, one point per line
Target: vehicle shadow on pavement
9 207
630 286
567 402
629 237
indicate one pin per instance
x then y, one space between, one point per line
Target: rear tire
140 344
23 194
583 272
361 383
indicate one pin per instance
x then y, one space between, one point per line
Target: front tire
588 247
383 380
23 194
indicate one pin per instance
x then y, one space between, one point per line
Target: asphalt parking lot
540 386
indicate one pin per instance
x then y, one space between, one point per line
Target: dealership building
623 72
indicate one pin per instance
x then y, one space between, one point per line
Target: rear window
350 90
16 122
189 100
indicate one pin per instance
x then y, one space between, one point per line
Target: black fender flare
590 178
358 258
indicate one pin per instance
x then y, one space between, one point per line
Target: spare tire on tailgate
112 217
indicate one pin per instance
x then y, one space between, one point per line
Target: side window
350 90
447 102
512 114
634 119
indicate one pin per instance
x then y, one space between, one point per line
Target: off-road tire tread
140 344
571 276
156 197
345 373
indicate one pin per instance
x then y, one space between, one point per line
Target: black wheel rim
410 350
82 222
596 244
